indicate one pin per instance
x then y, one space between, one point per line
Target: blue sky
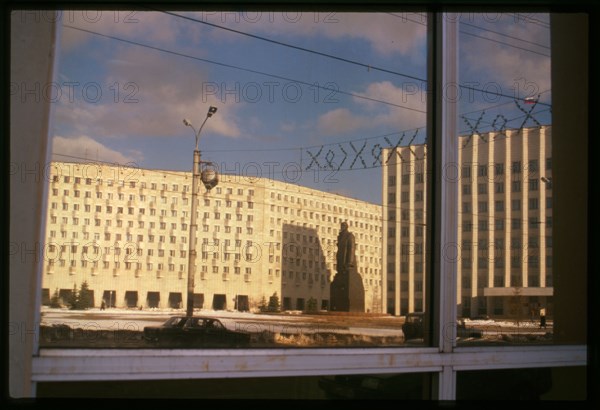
124 103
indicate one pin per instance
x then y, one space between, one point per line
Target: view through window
300 114
304 122
504 269
311 218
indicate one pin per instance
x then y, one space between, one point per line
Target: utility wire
364 97
503 43
344 59
269 40
486 38
529 19
504 35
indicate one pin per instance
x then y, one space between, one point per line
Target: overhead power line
368 66
249 70
504 35
307 50
503 43
487 38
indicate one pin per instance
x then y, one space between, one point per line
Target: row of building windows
141 224
418 287
142 211
405 179
129 237
482 225
405 214
516 262
310 215
499 187
52 251
143 185
498 243
418 267
516 223
150 266
499 281
483 246
322 205
482 171
516 167
482 206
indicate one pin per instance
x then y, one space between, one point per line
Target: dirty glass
505 191
301 220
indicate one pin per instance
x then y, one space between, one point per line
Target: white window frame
28 364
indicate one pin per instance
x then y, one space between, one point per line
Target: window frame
28 364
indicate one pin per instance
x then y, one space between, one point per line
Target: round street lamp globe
210 178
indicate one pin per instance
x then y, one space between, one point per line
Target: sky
309 98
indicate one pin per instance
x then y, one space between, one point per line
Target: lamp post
193 228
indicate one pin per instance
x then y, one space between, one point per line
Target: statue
346 257
347 293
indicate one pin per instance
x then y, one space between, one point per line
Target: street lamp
547 181
210 179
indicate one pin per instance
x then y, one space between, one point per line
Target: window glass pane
411 386
557 383
506 278
314 232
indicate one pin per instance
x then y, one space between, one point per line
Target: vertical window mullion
443 138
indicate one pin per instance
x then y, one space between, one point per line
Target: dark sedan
184 331
413 328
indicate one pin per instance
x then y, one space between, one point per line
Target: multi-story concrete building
125 231
504 262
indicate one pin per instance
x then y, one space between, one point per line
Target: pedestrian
543 318
103 305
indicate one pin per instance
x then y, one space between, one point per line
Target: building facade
125 232
504 244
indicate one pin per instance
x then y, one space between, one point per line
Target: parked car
184 331
413 328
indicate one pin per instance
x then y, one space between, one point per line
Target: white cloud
153 27
68 149
339 121
288 126
509 67
387 34
373 113
147 94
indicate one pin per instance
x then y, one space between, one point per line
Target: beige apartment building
504 246
125 231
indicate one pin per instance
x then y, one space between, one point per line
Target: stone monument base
347 293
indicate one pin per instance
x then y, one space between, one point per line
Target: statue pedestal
347 293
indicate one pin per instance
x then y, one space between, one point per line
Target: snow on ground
291 323
133 319
535 324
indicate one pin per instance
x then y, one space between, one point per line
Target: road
123 328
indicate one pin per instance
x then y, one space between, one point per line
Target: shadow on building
306 269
